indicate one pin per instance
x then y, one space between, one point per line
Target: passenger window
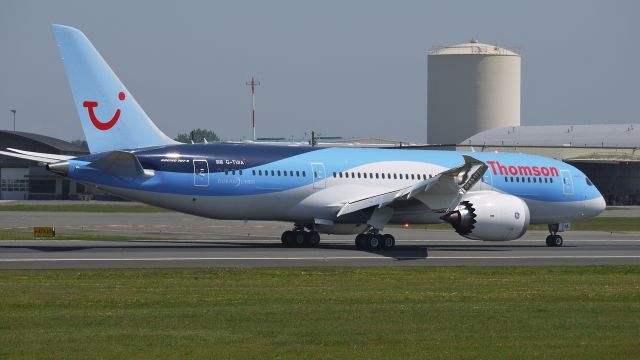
511 179
284 172
304 173
364 175
358 175
334 174
233 172
340 175
273 173
377 176
297 173
290 172
240 171
388 176
395 176
278 172
260 172
534 180
550 180
412 177
545 180
253 172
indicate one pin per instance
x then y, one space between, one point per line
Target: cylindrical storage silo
471 87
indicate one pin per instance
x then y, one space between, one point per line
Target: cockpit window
589 181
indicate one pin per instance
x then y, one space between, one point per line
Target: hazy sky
350 68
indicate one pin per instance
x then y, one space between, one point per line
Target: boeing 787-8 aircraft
484 196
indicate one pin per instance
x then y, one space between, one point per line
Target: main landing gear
554 239
300 238
375 241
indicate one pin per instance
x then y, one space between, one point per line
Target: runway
65 254
173 240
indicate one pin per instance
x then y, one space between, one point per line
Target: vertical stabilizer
111 118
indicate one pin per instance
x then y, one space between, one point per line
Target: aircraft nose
598 206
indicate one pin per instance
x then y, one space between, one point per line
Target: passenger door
200 173
319 178
567 182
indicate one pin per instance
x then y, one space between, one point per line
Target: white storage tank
471 87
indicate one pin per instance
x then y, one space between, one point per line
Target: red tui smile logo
97 123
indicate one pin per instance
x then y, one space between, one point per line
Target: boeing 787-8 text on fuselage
484 196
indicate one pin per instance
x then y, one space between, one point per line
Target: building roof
473 47
600 135
57 144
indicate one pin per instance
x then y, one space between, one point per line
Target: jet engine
490 216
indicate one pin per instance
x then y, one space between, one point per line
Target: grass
323 313
101 208
24 235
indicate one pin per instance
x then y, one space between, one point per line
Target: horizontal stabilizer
120 163
44 155
42 159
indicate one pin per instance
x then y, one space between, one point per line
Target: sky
340 68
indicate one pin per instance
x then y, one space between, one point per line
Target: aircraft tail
111 118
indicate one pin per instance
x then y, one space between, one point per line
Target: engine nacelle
490 216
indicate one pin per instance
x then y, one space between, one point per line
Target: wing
35 156
441 193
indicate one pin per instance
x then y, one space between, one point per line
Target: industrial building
28 180
474 105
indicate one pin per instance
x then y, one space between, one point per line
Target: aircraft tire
285 236
550 240
557 241
299 238
388 241
313 239
373 242
360 241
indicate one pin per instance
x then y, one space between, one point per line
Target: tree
80 143
197 135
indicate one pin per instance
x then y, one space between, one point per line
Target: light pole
253 83
14 120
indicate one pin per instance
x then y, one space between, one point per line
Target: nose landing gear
554 240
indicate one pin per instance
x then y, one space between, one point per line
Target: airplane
331 190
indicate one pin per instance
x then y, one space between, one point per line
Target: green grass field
323 313
101 208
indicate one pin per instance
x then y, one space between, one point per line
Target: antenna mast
253 85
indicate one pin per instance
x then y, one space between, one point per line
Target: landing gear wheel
313 239
374 241
557 241
554 239
550 240
360 241
299 238
286 236
388 241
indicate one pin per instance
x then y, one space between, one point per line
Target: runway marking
533 257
